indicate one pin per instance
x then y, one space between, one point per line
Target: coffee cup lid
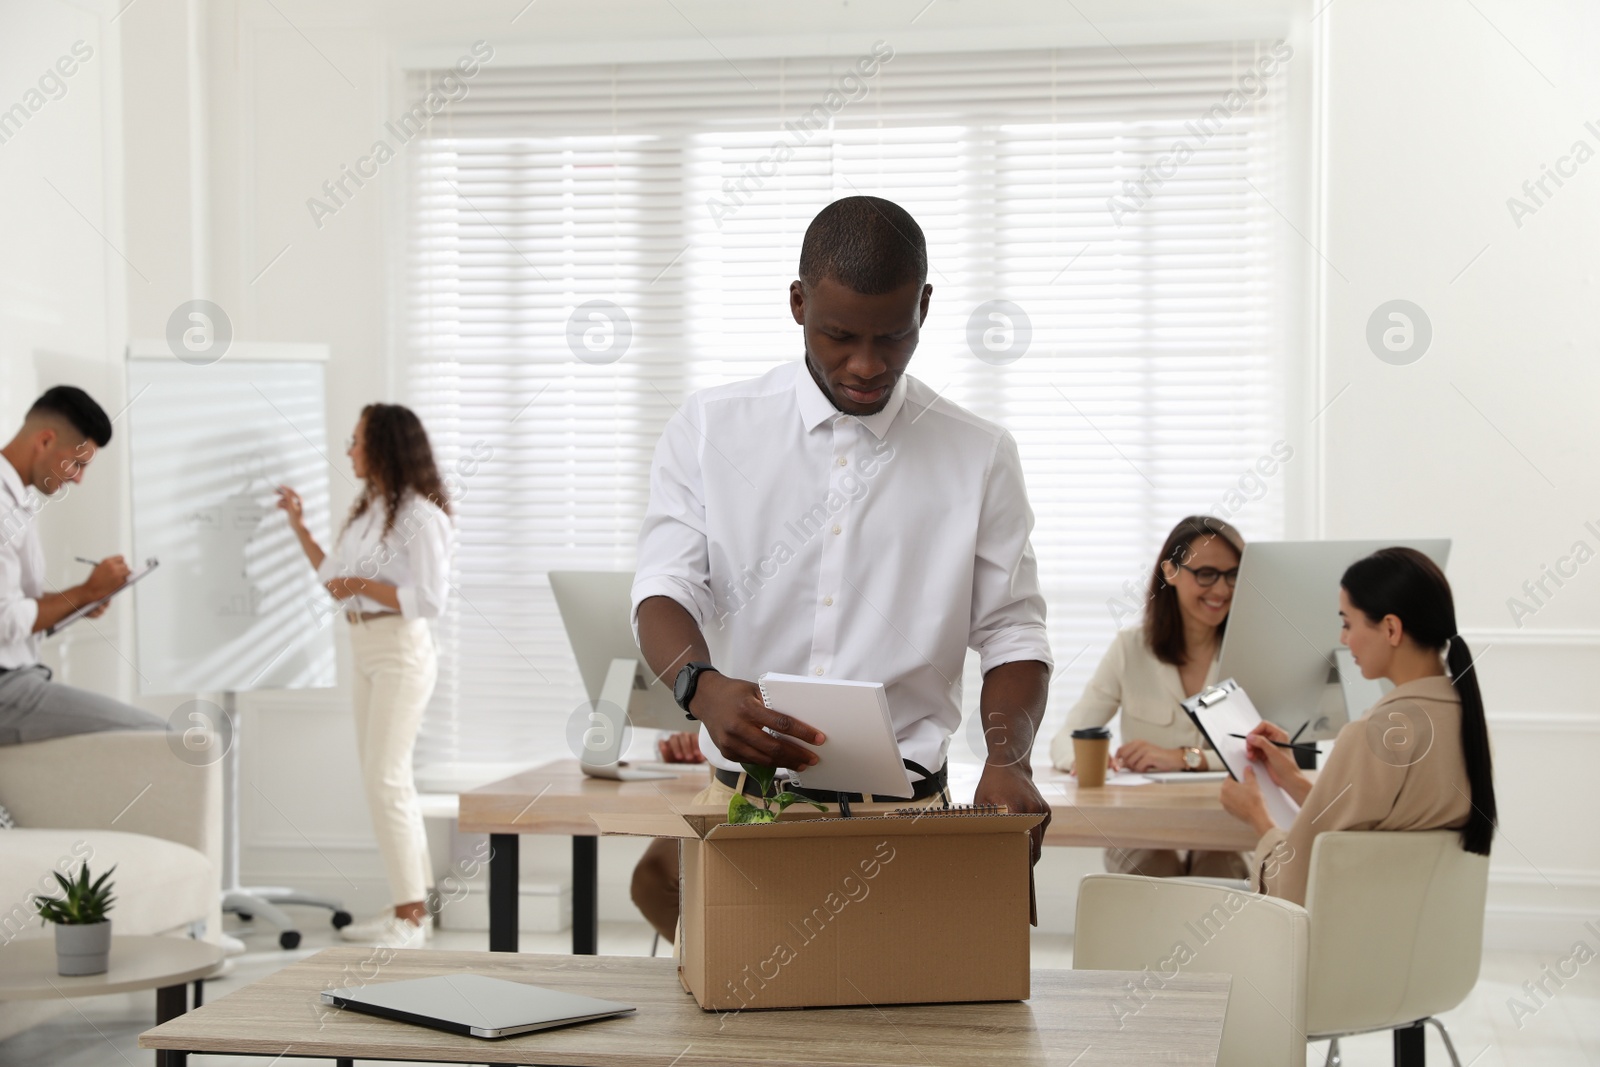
1093 733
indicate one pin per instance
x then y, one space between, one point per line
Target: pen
1309 746
90 562
1300 731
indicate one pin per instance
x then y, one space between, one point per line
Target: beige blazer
1399 767
1148 693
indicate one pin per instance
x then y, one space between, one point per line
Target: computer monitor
1282 642
596 609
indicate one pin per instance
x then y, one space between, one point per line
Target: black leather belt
931 784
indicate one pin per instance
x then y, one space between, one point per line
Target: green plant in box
84 903
740 810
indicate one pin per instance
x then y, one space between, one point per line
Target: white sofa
113 798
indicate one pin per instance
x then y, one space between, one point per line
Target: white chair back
1159 927
1396 928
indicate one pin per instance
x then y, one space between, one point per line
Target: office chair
1391 936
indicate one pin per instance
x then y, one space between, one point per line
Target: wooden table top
558 798
28 967
1072 1019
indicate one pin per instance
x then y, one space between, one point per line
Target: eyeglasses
1206 577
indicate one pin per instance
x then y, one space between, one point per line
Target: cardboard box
818 910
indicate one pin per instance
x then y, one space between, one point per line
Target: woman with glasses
1151 668
390 573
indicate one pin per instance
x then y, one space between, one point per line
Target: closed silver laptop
474 1004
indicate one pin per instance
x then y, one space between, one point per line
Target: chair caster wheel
289 939
341 919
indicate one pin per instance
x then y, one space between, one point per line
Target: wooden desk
558 799
1070 1020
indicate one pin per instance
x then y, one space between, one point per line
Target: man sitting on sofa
57 442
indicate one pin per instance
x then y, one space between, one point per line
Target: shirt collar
816 408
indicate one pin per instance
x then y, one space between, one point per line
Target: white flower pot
83 949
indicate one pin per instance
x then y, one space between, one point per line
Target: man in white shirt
57 442
836 518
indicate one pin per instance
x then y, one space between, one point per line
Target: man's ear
797 302
922 314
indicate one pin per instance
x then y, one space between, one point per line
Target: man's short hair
865 243
78 408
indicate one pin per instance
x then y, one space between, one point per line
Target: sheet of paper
1235 714
1128 778
84 609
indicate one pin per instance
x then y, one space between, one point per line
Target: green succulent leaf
81 902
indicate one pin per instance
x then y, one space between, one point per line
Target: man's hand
680 748
735 715
1013 787
109 575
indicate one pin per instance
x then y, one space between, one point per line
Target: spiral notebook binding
952 809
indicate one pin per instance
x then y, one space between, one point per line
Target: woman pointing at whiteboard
390 571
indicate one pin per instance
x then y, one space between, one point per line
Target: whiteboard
235 605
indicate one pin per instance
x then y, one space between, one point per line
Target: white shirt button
837 529
827 601
841 461
817 671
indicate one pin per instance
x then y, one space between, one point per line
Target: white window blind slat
544 188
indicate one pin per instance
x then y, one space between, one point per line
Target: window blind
1117 203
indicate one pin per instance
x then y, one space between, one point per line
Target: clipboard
79 612
1224 709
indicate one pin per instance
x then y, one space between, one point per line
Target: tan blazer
1399 767
1148 693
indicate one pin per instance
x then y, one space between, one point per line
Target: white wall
1431 120
62 287
1435 115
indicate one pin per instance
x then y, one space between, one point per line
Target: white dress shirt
21 571
413 556
806 541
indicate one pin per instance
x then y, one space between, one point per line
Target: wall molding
1543 721
1568 636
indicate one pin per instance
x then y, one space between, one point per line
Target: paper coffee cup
1091 748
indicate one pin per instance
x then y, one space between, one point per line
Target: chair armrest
117 780
1164 927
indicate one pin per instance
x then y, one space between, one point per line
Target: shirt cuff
674 589
1023 643
23 616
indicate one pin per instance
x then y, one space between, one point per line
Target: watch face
680 687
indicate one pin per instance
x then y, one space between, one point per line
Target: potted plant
83 933
740 810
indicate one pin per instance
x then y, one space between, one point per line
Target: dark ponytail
1408 585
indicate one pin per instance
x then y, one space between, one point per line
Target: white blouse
413 556
1149 695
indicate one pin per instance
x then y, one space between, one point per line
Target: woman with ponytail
1419 760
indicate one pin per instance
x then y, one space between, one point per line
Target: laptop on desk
474 1005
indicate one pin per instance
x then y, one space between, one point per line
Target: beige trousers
656 877
395 670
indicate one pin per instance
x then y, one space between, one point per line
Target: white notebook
860 754
1222 711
